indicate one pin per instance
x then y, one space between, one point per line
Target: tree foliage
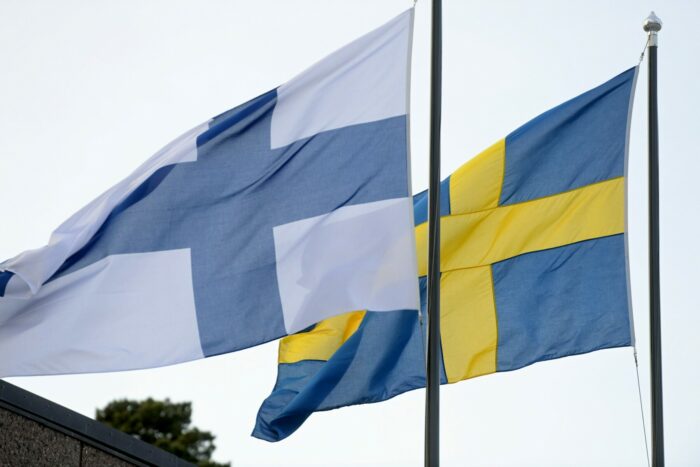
164 424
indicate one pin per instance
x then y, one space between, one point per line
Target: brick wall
36 432
24 442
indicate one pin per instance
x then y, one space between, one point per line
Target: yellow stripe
486 237
322 341
476 185
468 323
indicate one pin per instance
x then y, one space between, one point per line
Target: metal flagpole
652 25
432 397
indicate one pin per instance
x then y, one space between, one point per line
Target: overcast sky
88 90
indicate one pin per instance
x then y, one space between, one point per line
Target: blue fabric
420 203
5 277
383 359
549 304
224 205
564 301
574 144
365 369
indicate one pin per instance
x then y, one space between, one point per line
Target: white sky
88 90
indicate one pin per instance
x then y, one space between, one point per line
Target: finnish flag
277 214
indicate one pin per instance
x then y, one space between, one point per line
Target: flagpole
432 397
652 25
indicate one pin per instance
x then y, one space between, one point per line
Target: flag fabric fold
533 267
286 210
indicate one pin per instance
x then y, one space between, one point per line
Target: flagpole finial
652 25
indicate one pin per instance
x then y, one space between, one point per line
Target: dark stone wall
24 442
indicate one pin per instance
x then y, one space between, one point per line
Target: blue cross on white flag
272 216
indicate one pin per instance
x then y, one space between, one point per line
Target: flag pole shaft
652 26
432 402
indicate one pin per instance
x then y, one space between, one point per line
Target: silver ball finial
652 24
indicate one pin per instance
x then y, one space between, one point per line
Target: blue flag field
533 268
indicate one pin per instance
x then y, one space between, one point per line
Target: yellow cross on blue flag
277 214
533 267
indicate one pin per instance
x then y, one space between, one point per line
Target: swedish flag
533 268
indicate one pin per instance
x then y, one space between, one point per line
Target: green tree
163 424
